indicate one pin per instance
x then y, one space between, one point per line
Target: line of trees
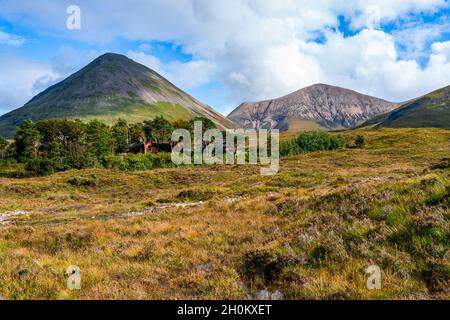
54 145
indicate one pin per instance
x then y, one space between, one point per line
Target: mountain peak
319 86
316 106
332 88
110 87
110 57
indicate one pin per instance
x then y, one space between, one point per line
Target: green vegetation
3 147
159 129
56 145
429 111
418 115
360 141
134 162
26 140
189 124
310 142
114 108
199 194
132 111
120 135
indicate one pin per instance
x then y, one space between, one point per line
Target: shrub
310 142
162 160
196 194
270 265
261 264
41 167
289 147
114 162
83 182
135 162
360 142
289 207
328 251
138 162
442 164
128 163
436 276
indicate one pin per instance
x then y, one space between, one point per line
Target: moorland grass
309 232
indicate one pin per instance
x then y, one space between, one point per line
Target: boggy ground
226 232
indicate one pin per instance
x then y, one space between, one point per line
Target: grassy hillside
118 108
429 111
227 232
416 115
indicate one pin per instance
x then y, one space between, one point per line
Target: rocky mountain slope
110 87
317 106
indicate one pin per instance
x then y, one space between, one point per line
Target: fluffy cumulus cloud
263 49
441 51
21 78
183 74
369 62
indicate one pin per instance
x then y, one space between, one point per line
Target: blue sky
227 52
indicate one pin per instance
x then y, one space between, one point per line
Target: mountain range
114 86
111 87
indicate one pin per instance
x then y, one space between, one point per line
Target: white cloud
22 78
442 50
183 74
414 37
68 59
368 13
10 39
368 62
18 79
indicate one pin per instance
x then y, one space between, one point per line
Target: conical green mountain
111 87
429 111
